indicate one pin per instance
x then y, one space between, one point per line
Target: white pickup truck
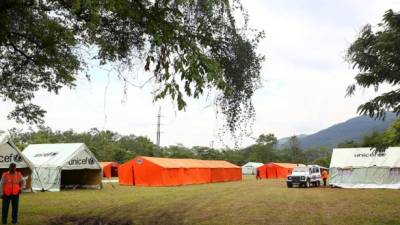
305 176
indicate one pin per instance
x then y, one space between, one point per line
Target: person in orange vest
11 182
325 176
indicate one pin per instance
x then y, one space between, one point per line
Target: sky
304 78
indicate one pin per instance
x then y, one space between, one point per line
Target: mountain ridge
352 129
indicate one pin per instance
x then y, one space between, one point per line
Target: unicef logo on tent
84 161
17 158
378 152
10 158
375 152
139 161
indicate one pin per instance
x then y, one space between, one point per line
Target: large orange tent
276 170
110 169
151 171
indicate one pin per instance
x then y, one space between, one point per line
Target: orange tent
151 171
110 169
276 170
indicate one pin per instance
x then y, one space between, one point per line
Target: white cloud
305 80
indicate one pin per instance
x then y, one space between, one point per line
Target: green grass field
246 202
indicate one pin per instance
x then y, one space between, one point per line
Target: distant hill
353 129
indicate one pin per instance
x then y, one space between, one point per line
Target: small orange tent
110 169
276 170
151 171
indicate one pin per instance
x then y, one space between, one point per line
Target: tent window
394 172
345 172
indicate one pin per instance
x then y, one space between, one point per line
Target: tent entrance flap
85 178
114 171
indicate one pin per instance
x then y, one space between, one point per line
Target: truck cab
305 176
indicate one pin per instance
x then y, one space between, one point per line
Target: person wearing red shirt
11 182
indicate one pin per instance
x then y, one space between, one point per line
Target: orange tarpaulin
151 171
110 169
276 170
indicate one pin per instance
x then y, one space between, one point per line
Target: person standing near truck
325 176
258 174
11 182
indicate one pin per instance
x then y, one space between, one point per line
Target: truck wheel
289 185
308 184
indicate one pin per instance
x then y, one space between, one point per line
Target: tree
206 153
264 149
323 161
267 139
348 144
190 47
376 55
312 155
374 139
294 149
178 151
391 137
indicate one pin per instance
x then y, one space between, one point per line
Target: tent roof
189 163
253 164
7 143
56 155
365 157
3 137
103 164
288 165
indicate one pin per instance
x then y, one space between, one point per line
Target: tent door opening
84 178
114 171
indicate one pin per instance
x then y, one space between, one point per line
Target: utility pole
159 127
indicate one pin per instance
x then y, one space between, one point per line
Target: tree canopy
190 47
376 54
111 146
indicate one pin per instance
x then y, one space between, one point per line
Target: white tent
63 165
9 153
365 168
250 168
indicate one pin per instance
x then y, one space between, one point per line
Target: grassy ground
246 202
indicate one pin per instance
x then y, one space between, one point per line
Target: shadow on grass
166 216
91 220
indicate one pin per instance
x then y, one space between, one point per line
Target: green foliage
376 55
111 146
380 140
190 47
391 137
178 151
315 154
105 145
349 144
267 139
323 161
296 154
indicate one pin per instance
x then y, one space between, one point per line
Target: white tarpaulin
365 168
9 153
49 160
365 157
250 168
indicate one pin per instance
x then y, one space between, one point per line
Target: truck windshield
300 169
